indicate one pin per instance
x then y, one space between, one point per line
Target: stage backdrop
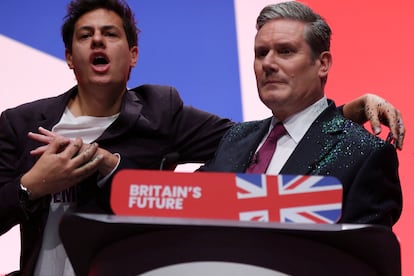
205 49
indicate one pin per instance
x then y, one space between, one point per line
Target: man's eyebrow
105 27
275 45
85 27
109 27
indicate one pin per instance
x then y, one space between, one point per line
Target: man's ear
68 56
134 55
325 59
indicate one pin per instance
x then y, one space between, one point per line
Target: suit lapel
130 112
251 134
318 142
51 116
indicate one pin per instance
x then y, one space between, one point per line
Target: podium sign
208 195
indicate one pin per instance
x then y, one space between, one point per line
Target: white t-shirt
53 259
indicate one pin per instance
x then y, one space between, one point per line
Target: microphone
168 160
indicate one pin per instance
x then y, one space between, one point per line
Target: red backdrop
373 52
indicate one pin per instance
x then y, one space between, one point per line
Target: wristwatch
24 193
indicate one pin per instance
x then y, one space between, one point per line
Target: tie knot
278 131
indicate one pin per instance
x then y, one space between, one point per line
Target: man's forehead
282 26
281 30
99 16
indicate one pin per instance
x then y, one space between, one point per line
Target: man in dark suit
292 61
98 127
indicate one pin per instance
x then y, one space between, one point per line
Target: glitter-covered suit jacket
366 166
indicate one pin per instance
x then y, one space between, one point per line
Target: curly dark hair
77 8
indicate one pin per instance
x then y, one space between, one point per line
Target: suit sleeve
197 133
12 210
375 195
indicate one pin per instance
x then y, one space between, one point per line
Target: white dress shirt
296 126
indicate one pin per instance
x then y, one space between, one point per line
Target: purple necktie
264 155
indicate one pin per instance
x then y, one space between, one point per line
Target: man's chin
273 95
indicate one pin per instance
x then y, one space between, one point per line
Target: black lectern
120 245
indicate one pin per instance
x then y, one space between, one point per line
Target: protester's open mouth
100 60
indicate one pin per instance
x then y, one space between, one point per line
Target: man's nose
269 63
97 41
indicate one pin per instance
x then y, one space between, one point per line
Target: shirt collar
297 124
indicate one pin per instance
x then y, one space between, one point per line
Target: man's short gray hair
317 31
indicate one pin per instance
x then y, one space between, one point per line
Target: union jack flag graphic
289 198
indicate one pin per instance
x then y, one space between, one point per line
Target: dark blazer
153 122
366 166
